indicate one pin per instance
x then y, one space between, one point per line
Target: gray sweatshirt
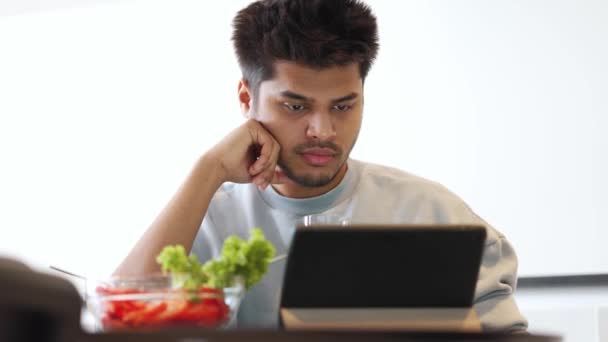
368 193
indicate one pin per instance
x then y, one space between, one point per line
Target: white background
104 107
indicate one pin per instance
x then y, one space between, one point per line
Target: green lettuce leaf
247 260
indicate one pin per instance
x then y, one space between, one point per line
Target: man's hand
248 154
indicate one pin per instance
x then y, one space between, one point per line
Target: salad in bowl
187 293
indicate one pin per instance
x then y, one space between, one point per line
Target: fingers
264 178
266 142
278 176
262 170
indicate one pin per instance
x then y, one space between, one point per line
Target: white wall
104 108
577 313
505 103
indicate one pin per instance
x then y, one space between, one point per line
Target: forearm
179 221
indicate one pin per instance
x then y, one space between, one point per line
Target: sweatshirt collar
313 205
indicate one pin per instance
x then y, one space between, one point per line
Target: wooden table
197 335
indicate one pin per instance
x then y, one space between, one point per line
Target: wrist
211 169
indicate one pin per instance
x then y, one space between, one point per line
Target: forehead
325 83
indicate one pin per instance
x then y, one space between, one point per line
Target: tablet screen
383 266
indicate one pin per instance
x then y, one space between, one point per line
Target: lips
318 156
317 160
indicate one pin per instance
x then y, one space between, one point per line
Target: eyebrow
299 97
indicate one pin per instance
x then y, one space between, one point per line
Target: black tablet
383 266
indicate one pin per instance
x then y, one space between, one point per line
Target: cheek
272 117
349 126
287 131
287 137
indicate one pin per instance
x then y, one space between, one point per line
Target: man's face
315 115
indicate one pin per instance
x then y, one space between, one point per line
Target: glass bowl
158 301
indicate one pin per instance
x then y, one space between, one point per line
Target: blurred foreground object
36 306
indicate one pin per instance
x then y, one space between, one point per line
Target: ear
245 98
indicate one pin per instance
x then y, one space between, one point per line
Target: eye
342 107
294 107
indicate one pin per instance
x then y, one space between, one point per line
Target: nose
321 126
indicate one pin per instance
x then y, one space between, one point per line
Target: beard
309 180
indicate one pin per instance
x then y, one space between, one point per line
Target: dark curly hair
316 33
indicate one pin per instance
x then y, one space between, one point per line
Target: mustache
318 144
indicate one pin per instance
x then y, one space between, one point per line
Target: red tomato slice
174 308
200 313
112 324
118 309
218 302
145 316
136 313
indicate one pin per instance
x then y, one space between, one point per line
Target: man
304 63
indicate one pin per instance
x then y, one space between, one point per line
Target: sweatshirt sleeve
494 302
